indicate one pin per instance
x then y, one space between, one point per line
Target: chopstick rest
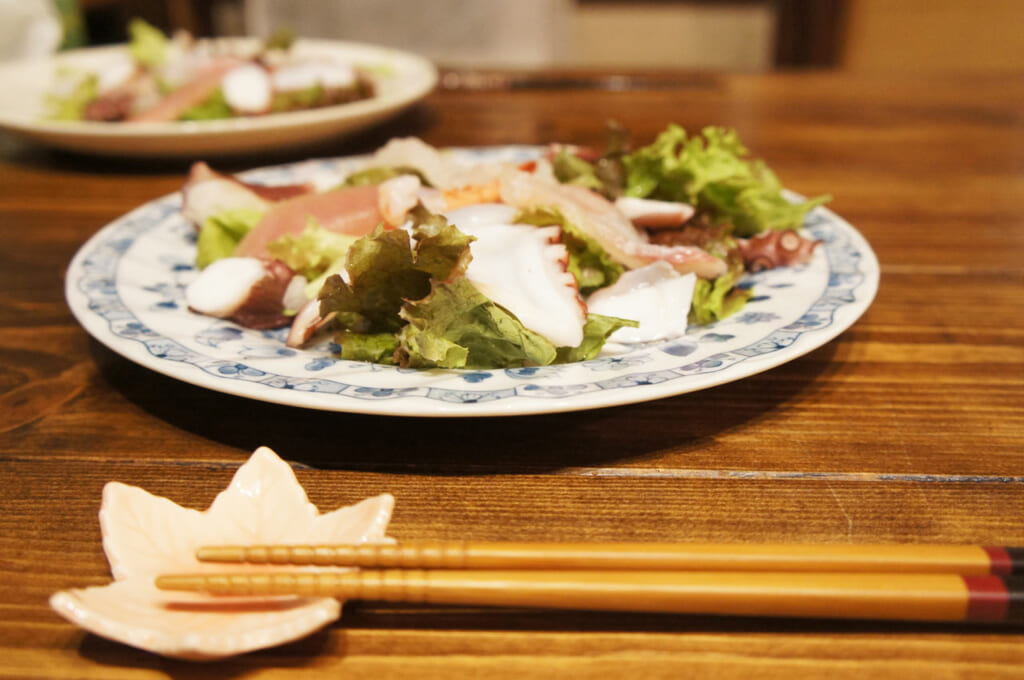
894 558
909 597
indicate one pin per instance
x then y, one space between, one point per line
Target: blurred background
723 35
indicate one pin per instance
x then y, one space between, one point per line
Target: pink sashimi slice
188 95
349 210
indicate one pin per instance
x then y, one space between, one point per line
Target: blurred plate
126 287
401 79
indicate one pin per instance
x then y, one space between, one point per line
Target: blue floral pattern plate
126 287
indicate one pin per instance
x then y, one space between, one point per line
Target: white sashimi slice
603 222
522 268
441 170
656 296
645 212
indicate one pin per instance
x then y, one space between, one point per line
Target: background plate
402 79
126 287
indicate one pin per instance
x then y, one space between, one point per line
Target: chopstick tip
220 553
179 582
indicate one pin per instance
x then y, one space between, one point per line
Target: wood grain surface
909 427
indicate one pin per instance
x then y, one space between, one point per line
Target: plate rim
512 405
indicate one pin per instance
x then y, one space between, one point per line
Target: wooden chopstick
954 559
918 597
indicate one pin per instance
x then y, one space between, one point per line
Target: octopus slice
248 291
600 220
523 269
776 249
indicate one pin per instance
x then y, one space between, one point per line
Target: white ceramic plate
401 78
126 286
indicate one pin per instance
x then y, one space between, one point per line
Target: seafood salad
426 258
157 79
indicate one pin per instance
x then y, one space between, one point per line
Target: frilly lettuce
387 268
711 173
456 326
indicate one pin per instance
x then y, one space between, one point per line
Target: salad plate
400 80
126 287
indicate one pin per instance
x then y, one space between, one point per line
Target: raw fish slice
599 219
185 97
441 170
349 210
208 192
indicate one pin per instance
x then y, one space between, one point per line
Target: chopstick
917 597
891 558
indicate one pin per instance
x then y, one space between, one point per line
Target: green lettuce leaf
313 252
220 234
571 169
595 334
378 348
715 300
382 274
213 107
148 44
589 262
605 174
456 326
385 269
711 172
442 251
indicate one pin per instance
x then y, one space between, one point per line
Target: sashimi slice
208 192
349 210
603 222
188 95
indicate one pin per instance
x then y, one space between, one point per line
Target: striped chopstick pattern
908 597
957 559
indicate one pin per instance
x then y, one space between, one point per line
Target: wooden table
907 428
